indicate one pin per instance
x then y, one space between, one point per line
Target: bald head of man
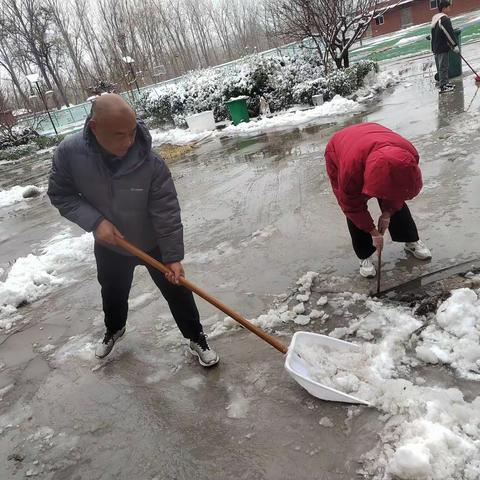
113 123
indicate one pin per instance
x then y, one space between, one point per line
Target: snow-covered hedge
281 81
13 148
14 153
16 136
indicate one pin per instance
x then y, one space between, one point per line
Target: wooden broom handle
274 342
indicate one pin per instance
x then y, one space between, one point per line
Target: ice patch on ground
140 301
322 301
194 382
16 194
177 136
326 422
211 255
223 326
34 276
14 417
79 346
226 248
238 406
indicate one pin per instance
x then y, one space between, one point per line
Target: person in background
443 40
108 180
370 161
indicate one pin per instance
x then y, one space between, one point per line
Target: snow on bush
281 81
16 152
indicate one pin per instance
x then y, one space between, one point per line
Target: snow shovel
294 364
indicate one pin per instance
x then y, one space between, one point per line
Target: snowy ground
259 215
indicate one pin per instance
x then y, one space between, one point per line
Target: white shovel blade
298 369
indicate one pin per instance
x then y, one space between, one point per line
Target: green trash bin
454 60
237 108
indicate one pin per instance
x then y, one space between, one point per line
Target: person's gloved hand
383 223
456 49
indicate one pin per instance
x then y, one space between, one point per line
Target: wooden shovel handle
274 342
379 272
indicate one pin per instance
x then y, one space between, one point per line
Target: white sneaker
200 348
109 340
418 250
367 269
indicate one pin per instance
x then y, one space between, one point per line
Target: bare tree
333 26
32 22
63 19
75 44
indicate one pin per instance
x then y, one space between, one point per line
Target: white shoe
418 250
109 340
367 269
200 348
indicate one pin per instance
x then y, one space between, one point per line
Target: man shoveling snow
370 161
108 180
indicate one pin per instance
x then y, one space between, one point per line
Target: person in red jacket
370 161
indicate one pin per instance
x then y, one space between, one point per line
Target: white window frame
435 7
380 20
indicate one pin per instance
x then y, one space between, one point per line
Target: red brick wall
421 13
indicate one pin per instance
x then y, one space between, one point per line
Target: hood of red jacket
392 173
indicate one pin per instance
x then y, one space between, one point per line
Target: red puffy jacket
370 161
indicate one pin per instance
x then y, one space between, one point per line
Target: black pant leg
115 275
402 226
180 300
361 241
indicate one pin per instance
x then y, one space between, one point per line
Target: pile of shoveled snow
454 336
17 194
430 433
36 275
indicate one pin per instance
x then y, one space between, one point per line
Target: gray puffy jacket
139 198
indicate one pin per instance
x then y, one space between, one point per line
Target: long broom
477 76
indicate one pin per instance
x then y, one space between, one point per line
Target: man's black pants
115 275
402 229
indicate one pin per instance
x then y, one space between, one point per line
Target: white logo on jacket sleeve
136 189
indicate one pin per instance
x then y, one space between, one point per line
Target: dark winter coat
370 161
443 35
139 197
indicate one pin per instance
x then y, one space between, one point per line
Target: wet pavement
258 213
